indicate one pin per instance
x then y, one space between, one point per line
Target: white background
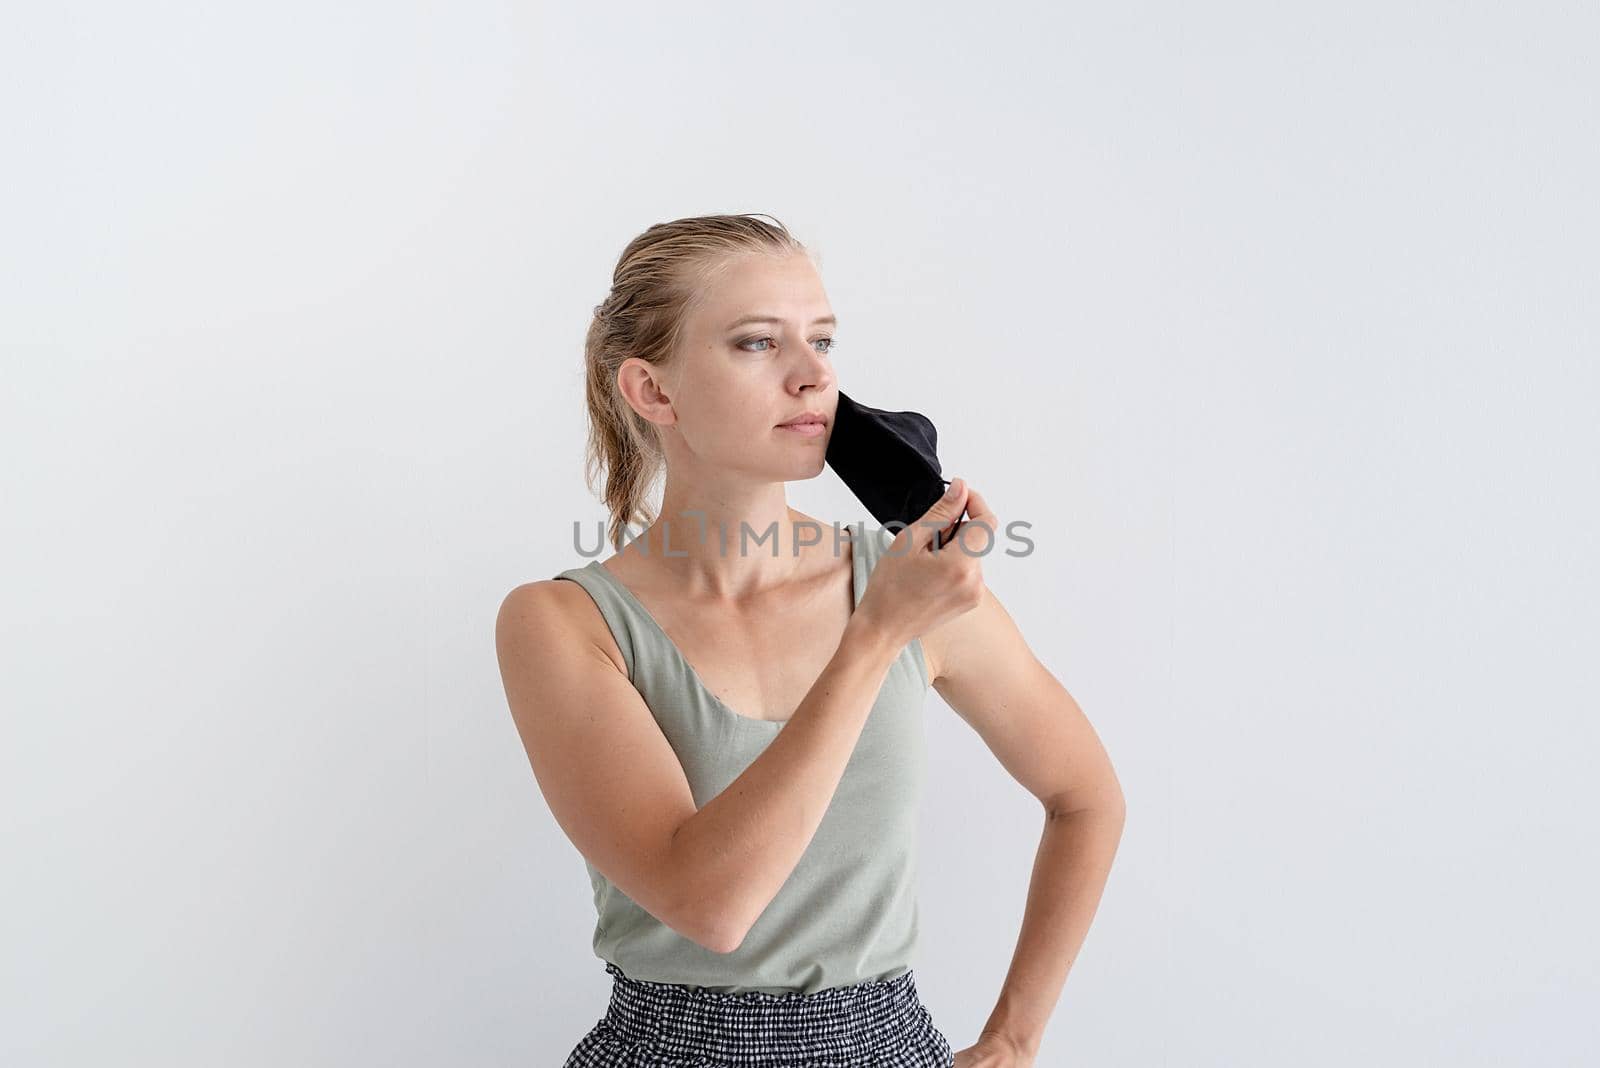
1277 322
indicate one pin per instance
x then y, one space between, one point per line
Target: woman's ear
642 388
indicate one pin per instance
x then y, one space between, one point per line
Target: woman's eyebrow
746 319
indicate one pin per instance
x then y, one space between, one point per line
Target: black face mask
888 459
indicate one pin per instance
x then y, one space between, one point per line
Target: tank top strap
629 629
869 544
863 554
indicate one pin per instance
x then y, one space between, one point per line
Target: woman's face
754 354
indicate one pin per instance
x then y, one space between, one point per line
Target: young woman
725 716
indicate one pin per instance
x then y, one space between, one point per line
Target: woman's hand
993 1050
915 587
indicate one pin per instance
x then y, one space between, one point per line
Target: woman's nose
817 370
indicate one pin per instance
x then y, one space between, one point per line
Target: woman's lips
809 430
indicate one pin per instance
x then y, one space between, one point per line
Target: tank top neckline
857 560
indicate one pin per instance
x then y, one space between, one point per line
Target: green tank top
848 911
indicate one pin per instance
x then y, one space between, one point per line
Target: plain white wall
1278 325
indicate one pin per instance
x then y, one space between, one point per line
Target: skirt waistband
848 1024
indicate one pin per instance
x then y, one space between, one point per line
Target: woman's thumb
944 511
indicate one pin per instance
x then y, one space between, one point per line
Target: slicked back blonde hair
658 279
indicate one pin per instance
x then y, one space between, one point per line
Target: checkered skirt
875 1024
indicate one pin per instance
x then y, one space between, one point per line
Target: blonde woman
725 715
